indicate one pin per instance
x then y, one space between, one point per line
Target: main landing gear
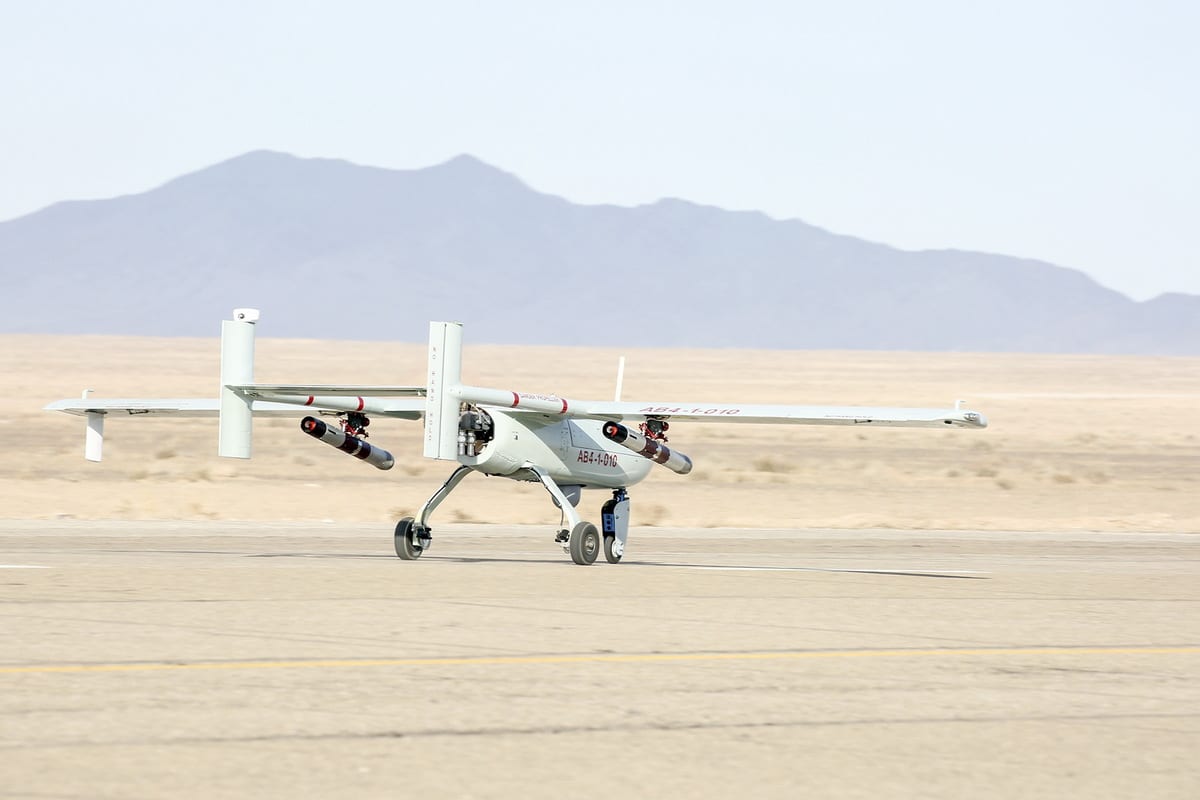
414 536
409 541
584 543
582 540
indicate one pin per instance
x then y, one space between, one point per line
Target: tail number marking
600 458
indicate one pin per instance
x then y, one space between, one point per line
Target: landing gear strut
414 537
580 539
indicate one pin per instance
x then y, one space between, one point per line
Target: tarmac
219 659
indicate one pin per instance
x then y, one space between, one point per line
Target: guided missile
647 448
374 456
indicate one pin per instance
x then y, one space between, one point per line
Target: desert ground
261 659
1074 443
830 612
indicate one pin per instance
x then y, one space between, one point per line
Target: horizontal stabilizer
174 407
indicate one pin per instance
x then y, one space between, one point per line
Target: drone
565 445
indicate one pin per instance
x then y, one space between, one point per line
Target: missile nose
615 431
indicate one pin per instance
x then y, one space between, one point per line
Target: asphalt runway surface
216 659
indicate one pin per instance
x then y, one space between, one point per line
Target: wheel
405 540
585 543
609 555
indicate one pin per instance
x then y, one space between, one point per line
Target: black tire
609 555
585 543
405 540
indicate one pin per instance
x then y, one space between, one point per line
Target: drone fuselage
573 452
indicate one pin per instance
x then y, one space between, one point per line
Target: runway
153 659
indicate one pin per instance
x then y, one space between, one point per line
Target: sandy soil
1075 443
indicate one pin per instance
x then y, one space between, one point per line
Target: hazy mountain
329 249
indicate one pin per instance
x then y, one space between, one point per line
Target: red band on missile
516 399
647 448
351 445
360 404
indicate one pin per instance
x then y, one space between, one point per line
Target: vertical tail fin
441 397
93 443
237 369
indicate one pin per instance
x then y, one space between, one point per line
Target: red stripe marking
309 402
360 404
516 399
564 405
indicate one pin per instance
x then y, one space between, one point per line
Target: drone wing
173 407
617 411
780 414
401 402
269 400
646 437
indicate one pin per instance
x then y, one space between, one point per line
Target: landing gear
414 537
614 519
584 543
579 539
610 542
410 540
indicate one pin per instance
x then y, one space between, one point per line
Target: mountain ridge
333 249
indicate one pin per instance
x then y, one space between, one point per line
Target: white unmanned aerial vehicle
567 445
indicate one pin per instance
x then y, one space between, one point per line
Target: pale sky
1064 131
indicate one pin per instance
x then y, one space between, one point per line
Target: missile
375 456
647 448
